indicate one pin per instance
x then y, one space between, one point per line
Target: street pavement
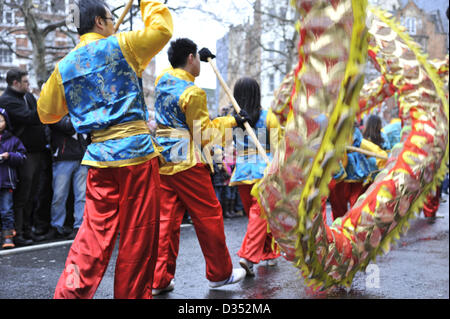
417 267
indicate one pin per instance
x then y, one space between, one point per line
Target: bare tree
40 25
35 20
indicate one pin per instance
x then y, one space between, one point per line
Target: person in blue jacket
12 154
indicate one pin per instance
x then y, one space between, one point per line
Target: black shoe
73 234
27 234
37 238
40 231
20 241
53 233
229 215
239 213
187 220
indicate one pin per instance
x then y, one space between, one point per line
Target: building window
6 56
45 6
283 11
58 6
410 23
271 49
6 14
271 83
283 47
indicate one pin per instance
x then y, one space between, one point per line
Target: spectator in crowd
20 105
68 148
42 200
12 154
220 179
445 184
231 192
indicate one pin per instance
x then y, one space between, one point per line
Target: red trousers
341 195
191 191
432 204
121 200
257 243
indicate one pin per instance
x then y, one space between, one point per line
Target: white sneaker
170 287
247 265
272 262
236 276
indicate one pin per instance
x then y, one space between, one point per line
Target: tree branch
10 48
51 27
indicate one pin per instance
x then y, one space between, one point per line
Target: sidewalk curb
6 252
34 247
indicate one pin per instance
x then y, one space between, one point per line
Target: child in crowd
220 179
12 154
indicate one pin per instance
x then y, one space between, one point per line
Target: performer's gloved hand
205 54
241 118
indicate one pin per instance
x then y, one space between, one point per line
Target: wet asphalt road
416 267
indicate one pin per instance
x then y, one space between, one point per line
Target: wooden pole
360 150
122 16
247 126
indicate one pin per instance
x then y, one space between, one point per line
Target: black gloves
205 54
241 118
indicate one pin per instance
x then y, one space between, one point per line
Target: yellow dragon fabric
333 47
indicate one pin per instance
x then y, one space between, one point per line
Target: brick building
16 49
427 24
424 20
264 47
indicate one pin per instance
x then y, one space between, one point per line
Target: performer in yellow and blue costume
257 243
182 116
99 84
356 172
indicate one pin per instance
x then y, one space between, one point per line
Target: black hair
88 10
15 74
248 95
179 51
372 130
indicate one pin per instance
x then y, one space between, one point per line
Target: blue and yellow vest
359 167
249 165
105 98
173 132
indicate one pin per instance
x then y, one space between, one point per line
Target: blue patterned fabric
102 90
359 167
386 143
393 132
169 114
250 168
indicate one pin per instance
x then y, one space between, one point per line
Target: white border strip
6 252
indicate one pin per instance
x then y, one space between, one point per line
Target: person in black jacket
68 149
21 107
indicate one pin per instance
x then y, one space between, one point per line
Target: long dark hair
372 130
248 95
